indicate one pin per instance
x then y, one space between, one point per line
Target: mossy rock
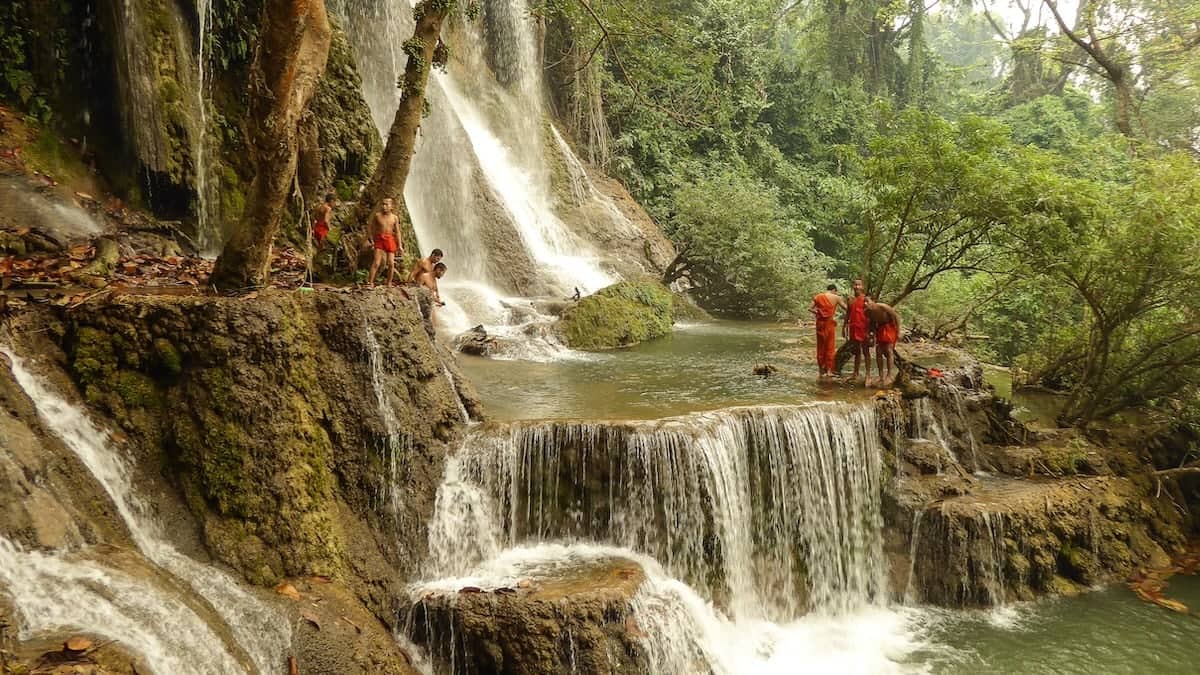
621 315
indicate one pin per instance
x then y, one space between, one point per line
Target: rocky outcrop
621 315
984 512
47 499
600 209
267 415
579 622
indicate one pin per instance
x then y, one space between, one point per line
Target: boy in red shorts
321 220
384 231
885 323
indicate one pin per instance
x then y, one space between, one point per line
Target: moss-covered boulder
621 315
267 415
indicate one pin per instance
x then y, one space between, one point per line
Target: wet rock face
621 315
984 512
266 413
578 623
47 499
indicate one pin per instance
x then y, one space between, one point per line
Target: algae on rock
620 315
266 414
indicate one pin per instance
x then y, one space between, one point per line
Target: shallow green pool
1108 631
699 367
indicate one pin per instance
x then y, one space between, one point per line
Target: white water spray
260 630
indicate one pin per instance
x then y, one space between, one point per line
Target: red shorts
887 334
320 230
386 243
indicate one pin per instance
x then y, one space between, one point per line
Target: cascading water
480 182
770 514
52 592
258 629
397 443
208 235
773 490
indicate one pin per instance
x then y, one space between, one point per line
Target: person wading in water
857 330
824 309
384 233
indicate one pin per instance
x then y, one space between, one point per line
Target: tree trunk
287 65
392 171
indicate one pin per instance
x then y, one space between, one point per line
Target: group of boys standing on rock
867 323
383 231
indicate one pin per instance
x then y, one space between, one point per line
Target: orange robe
826 333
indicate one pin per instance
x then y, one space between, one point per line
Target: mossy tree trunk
289 62
424 50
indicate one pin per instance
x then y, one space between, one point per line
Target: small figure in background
857 330
321 216
426 265
430 280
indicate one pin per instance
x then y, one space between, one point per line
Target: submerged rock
476 342
578 621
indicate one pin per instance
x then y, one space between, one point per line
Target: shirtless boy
429 280
321 216
425 265
384 232
885 323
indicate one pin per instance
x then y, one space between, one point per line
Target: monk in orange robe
824 309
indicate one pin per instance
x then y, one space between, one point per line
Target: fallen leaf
77 644
287 590
311 618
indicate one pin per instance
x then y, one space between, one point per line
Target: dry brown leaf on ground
287 590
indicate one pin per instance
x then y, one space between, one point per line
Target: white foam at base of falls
684 632
259 629
771 489
53 593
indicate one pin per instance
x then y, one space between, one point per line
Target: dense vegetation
1013 168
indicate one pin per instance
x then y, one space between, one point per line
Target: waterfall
52 592
964 558
768 511
480 186
398 444
208 233
260 630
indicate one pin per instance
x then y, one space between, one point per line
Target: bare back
423 266
881 314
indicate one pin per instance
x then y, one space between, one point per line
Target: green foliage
739 250
233 33
621 315
941 197
17 82
1130 253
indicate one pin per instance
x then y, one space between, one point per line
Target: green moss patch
621 315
